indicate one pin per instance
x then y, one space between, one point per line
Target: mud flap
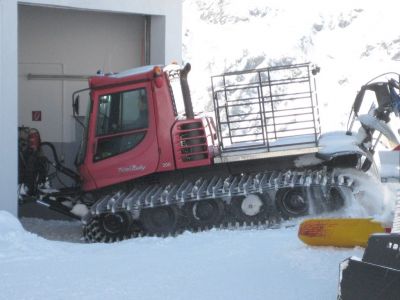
377 275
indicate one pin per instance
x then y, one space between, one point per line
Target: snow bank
219 264
18 246
9 225
13 238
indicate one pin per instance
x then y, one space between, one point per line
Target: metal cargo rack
273 108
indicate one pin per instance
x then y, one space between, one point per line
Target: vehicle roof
142 73
133 71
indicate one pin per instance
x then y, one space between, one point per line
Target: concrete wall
165 16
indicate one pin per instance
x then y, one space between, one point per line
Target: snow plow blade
377 275
338 232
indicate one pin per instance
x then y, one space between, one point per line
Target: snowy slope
352 42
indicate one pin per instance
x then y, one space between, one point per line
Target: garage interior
58 49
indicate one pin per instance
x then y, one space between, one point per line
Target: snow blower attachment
377 274
387 102
147 169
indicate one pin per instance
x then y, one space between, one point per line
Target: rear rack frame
269 108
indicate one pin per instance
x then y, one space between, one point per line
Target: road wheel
250 208
292 203
205 213
160 220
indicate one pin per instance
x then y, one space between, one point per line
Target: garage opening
58 49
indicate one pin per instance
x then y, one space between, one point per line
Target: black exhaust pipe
187 99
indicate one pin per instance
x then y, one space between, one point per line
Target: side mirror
75 106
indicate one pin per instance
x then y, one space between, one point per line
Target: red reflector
312 230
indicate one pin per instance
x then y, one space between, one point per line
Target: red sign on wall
37 115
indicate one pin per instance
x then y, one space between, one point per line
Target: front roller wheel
108 228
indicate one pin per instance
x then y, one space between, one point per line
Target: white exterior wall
166 36
8 105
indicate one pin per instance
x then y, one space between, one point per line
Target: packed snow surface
52 262
219 264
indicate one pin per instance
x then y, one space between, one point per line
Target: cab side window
121 122
121 112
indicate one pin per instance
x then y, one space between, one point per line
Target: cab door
122 135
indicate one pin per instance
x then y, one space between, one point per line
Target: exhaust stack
187 100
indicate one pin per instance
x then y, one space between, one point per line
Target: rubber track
135 200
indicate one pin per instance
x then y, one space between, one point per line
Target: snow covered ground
352 41
220 264
49 260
